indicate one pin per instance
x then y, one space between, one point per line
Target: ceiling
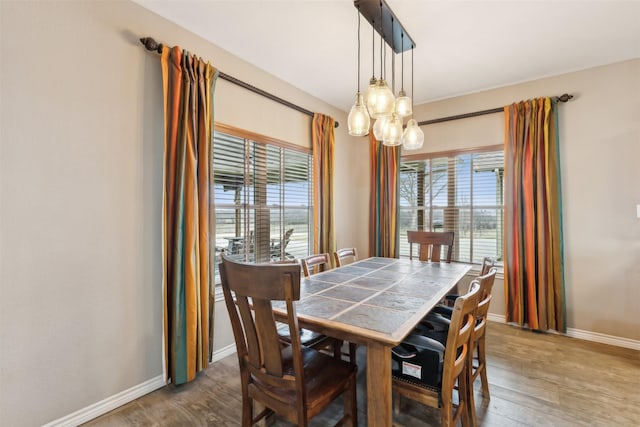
461 46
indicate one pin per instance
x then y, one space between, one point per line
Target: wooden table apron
374 302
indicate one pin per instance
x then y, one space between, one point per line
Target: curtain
534 271
188 85
323 139
383 204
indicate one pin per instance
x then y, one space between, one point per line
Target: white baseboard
124 397
586 335
108 404
223 352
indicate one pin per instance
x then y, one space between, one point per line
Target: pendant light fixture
379 100
403 102
413 137
358 120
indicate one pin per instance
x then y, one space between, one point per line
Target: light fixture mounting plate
370 10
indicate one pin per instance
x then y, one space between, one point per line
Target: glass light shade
378 127
392 133
384 101
403 105
370 94
358 120
413 137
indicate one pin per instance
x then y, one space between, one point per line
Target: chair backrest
482 310
430 244
313 262
342 254
249 290
487 263
458 338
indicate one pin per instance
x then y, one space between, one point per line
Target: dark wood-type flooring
535 380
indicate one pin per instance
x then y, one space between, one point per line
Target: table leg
378 385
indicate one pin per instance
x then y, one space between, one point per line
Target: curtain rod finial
151 44
564 97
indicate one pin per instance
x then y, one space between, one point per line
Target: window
461 192
262 197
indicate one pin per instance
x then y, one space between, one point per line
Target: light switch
638 210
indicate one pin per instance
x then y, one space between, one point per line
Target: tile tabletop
377 298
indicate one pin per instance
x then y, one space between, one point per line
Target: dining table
375 302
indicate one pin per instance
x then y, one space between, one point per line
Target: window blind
262 199
460 192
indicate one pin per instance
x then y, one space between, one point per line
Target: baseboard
223 352
108 404
124 397
586 335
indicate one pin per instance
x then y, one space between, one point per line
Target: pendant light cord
393 62
402 59
413 97
381 39
373 49
358 48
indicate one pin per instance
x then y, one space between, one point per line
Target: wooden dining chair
478 353
430 244
293 381
428 372
438 323
313 264
341 255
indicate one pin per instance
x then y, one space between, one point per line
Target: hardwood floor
535 380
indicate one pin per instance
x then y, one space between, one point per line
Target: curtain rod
150 44
562 98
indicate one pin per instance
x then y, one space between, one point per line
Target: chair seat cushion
307 338
418 366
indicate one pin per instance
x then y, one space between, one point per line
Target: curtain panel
188 85
534 266
323 140
383 202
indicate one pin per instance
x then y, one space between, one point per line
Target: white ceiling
461 46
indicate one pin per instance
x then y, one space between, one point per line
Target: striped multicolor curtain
323 139
534 272
188 85
383 214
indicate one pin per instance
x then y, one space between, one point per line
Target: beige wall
600 148
81 182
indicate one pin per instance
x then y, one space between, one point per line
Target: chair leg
350 403
482 366
470 410
352 352
247 411
446 413
465 400
337 349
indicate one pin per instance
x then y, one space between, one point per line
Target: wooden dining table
375 302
